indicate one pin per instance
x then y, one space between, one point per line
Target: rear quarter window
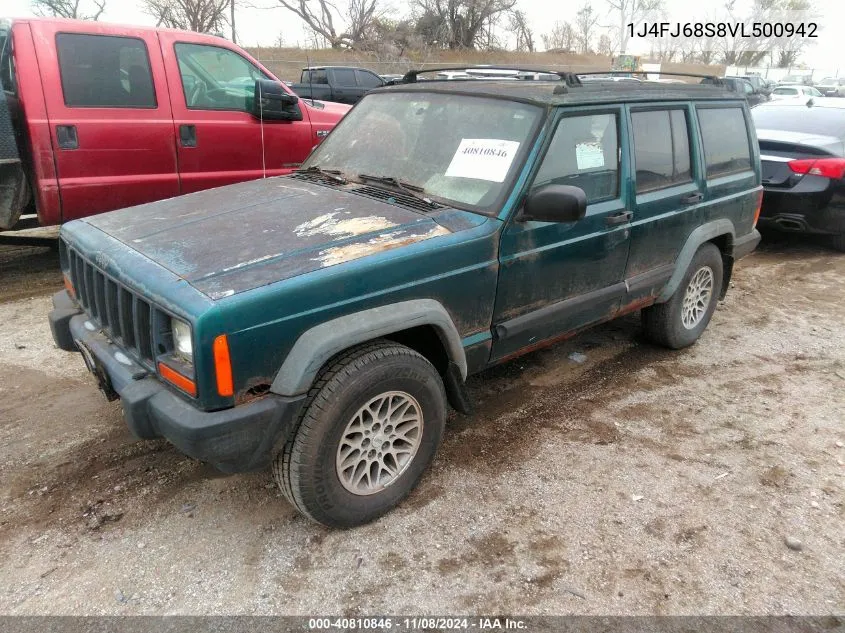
725 138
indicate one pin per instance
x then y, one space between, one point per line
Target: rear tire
370 427
680 321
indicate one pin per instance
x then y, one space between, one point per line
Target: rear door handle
188 135
67 137
692 198
619 218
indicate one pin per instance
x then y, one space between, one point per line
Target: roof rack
717 81
569 78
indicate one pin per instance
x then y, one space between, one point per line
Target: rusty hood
232 239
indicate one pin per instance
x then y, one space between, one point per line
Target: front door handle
692 198
67 137
188 135
619 218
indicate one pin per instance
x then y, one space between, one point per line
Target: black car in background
802 150
742 86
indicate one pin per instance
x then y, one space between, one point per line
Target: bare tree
232 21
585 22
361 14
518 25
202 16
462 23
631 12
605 46
665 49
339 28
68 9
562 37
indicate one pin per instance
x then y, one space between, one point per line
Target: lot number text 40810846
723 29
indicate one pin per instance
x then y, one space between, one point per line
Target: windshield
460 149
816 121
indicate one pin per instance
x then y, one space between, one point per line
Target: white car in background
794 91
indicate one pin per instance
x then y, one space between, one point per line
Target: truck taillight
759 206
833 168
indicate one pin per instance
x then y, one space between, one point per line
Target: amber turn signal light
178 380
69 286
223 366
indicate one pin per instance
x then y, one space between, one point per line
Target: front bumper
238 439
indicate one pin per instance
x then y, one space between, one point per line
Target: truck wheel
369 428
838 242
680 321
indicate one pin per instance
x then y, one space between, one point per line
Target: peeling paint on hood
228 240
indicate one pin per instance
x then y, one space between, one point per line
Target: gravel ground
639 481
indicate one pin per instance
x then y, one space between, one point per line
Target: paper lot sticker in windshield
483 159
589 156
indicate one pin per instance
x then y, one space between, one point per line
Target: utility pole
232 9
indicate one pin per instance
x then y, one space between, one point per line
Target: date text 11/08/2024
416 623
723 29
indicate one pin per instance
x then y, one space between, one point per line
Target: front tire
838 242
370 427
680 321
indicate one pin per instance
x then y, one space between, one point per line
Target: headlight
182 344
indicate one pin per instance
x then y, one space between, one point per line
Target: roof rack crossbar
569 78
717 80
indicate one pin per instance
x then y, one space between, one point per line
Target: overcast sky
264 26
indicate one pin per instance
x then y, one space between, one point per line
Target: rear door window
344 77
725 138
105 71
584 152
785 91
661 149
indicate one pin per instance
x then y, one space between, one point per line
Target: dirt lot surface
639 481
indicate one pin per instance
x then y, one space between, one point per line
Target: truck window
661 149
7 64
317 77
368 80
583 153
105 71
725 139
216 78
344 77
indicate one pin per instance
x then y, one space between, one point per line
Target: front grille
126 318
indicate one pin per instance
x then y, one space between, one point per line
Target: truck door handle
188 135
67 137
692 198
619 218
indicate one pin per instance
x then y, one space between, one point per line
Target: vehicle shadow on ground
28 271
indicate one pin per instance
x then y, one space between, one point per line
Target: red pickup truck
105 116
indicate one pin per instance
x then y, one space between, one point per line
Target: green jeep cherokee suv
319 323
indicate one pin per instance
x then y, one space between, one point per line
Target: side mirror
271 102
555 203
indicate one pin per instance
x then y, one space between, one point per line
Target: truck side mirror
271 102
555 203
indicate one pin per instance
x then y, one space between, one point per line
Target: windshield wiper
331 174
407 188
